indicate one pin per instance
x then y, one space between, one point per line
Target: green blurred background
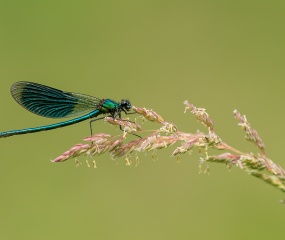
220 55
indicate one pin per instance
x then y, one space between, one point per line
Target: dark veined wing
50 102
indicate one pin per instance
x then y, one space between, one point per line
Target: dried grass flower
258 164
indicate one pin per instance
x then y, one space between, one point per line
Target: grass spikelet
165 136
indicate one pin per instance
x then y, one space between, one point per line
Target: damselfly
53 103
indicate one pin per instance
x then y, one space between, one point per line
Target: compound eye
126 104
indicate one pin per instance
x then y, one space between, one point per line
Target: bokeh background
221 55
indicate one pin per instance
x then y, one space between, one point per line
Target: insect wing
50 102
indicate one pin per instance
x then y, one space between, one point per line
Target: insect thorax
108 106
